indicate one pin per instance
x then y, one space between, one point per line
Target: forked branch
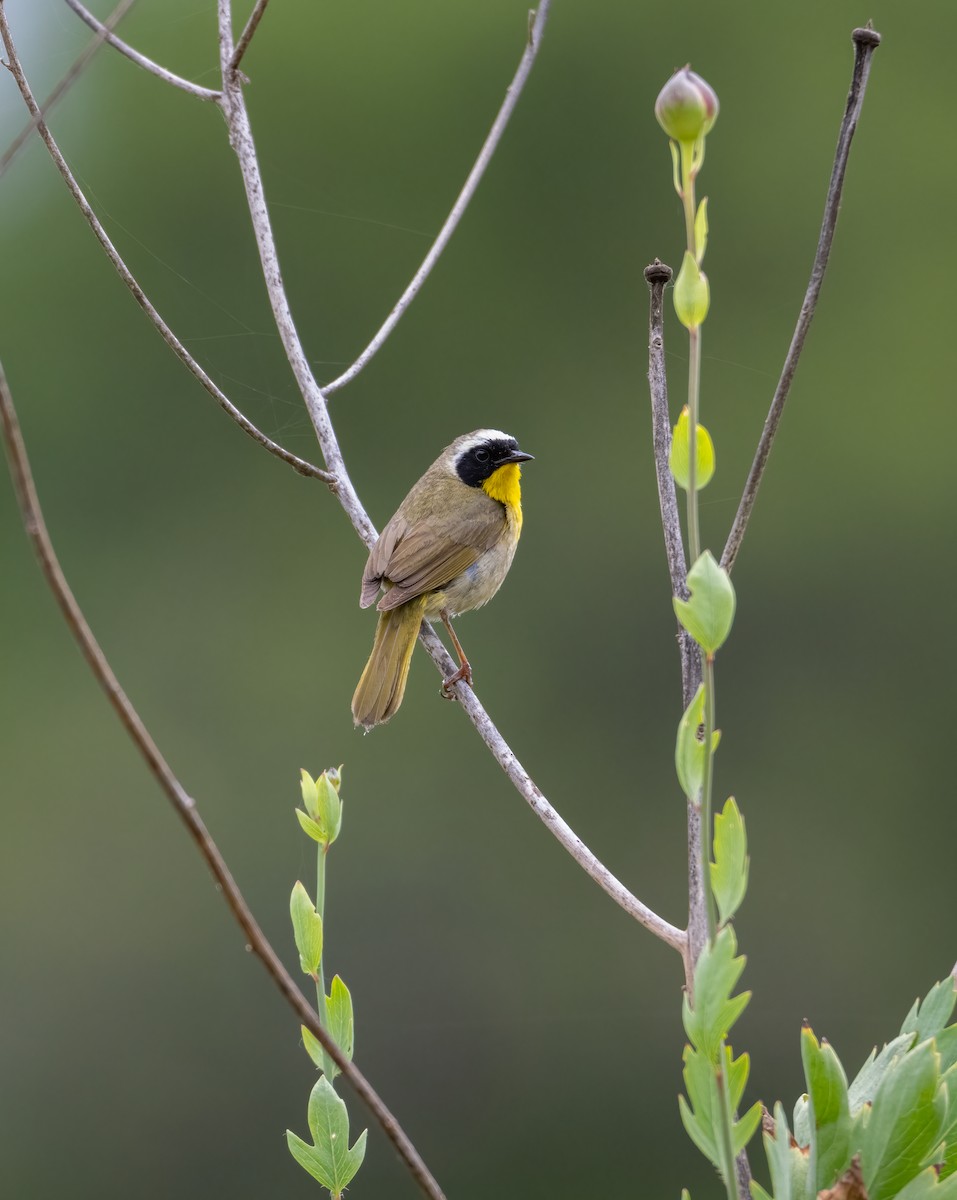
13 62
141 60
241 138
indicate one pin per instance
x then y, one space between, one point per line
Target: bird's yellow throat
503 485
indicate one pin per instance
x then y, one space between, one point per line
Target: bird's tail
382 685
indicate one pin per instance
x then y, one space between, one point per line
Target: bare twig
182 802
247 34
866 42
658 275
141 60
68 80
535 31
299 464
240 136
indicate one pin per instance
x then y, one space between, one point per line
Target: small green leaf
947 1047
701 230
745 1128
313 1047
692 294
679 457
329 817
927 1018
310 796
729 871
787 1162
310 827
830 1111
699 1117
307 929
330 1160
904 1125
927 1186
339 1018
866 1082
689 748
715 1010
758 1192
709 614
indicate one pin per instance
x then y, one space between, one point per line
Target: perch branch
866 42
299 464
68 80
182 802
240 135
103 29
535 31
247 34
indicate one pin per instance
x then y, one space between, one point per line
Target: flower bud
686 107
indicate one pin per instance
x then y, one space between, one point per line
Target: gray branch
866 42
241 139
299 464
141 60
535 31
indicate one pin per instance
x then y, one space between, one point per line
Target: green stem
694 386
707 663
329 1068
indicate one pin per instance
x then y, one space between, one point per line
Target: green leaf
310 827
339 1018
866 1082
692 294
700 1117
715 1009
701 230
905 1123
689 748
927 1018
729 871
310 796
709 614
313 1047
329 1160
830 1111
758 1192
745 1128
788 1163
307 929
947 1047
927 1186
329 817
679 457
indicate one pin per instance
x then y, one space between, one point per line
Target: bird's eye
482 456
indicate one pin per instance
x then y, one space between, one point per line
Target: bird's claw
463 673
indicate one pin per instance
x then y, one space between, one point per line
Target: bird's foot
464 672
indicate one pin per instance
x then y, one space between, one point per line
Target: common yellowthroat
446 551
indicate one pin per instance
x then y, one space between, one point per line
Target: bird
446 551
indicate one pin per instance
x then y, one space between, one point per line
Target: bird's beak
516 456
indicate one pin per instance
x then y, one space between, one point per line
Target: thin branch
535 31
141 60
68 80
241 139
299 464
182 802
247 34
657 276
866 42
537 802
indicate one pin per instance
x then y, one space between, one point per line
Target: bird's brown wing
429 554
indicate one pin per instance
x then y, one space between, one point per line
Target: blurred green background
523 1029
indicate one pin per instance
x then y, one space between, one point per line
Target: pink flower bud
686 107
